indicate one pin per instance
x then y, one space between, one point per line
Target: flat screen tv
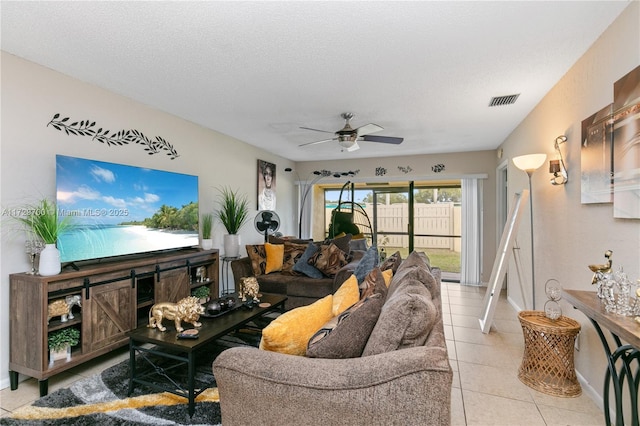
121 210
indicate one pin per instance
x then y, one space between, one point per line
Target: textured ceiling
257 71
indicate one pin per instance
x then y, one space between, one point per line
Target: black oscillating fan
267 222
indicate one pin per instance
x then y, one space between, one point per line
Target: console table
621 328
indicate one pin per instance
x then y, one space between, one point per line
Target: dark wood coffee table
167 346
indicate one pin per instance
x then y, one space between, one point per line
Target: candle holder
552 309
33 249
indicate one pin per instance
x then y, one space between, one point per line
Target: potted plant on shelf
202 293
42 219
60 343
207 224
233 213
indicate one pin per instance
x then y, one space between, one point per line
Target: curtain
471 232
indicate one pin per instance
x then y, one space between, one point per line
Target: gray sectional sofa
408 385
300 289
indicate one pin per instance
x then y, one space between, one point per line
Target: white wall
568 234
32 94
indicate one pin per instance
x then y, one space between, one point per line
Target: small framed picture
266 185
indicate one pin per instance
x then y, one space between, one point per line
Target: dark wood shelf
115 295
57 324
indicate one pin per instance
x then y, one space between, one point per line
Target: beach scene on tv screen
118 209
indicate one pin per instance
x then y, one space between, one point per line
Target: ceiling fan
348 137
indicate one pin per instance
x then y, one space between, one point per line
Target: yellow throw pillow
275 257
387 275
291 331
346 295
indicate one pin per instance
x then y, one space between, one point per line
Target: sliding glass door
411 216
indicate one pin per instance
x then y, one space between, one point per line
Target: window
407 216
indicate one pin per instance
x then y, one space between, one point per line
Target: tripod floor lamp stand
529 164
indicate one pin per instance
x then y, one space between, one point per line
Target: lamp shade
530 162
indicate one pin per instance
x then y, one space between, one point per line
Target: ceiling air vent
503 100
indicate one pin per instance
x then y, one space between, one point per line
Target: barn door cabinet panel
108 315
114 297
172 282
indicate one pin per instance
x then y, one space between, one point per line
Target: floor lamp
529 164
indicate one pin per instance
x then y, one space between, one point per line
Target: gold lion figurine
187 310
249 287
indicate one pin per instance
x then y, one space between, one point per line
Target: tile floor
486 389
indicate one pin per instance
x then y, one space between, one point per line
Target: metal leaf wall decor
381 171
437 168
122 137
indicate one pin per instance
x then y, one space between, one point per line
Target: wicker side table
547 363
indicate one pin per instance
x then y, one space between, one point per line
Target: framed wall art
626 146
266 185
610 151
596 156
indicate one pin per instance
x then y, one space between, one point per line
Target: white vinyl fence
431 219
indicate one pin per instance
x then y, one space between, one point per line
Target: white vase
207 243
231 245
49 261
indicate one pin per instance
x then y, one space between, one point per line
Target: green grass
446 260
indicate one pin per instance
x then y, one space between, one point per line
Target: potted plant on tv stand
60 343
233 213
202 293
42 219
207 220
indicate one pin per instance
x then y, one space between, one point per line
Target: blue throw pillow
303 267
366 264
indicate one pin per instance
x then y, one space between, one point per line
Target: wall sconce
557 167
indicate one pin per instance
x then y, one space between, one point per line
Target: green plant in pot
202 293
43 220
233 213
61 341
207 226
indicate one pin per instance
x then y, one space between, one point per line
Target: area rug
102 399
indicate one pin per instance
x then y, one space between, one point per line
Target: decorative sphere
214 308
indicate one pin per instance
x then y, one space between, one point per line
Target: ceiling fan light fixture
347 140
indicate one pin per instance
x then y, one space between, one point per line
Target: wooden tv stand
116 297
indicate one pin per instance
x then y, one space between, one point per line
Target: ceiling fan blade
317 142
315 130
368 129
382 139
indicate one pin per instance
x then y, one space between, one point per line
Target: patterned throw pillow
328 259
292 253
258 257
392 262
374 282
341 242
346 335
302 266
